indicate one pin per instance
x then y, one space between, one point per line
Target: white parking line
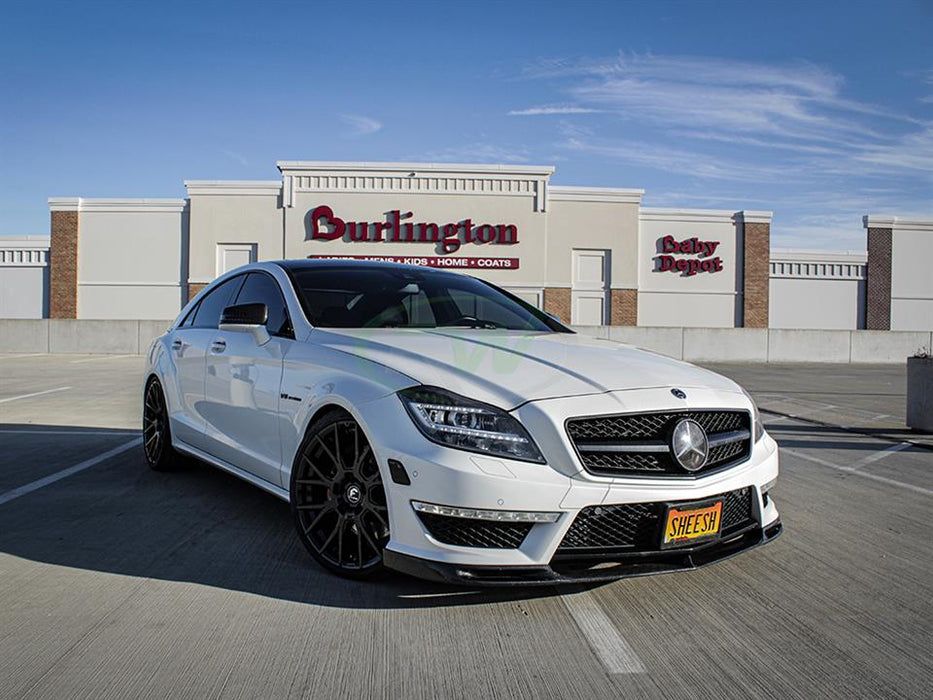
616 655
792 416
114 433
104 357
867 475
58 476
881 454
38 393
19 355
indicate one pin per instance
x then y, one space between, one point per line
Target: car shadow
197 525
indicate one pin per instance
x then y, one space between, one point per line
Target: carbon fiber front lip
618 567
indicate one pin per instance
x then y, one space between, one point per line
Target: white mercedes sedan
430 422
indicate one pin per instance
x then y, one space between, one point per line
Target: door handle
219 345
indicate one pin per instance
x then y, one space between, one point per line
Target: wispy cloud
360 125
551 109
779 104
677 160
233 155
736 132
480 152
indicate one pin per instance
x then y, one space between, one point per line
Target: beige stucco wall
222 212
709 300
912 276
576 221
131 258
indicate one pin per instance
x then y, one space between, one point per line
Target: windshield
360 297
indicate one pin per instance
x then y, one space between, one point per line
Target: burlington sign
323 225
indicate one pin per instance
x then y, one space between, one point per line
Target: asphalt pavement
117 582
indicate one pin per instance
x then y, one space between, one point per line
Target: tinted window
360 297
218 299
189 318
260 288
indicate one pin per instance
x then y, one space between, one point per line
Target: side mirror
247 318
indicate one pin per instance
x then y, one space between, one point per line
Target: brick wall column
878 283
557 302
194 288
756 262
63 261
623 307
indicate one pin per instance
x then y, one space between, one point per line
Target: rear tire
338 499
157 434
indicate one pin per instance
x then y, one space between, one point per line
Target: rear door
243 381
189 344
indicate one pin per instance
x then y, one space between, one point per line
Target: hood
509 368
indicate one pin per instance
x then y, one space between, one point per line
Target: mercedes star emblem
689 445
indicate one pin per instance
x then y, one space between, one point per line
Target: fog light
507 516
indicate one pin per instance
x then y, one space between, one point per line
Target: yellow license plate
687 523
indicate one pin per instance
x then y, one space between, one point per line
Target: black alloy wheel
338 499
157 436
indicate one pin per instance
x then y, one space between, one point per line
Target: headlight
456 421
758 428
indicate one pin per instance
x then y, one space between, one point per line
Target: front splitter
589 570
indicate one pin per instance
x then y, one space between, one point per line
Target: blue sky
819 111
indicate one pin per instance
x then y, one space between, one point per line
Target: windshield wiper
471 322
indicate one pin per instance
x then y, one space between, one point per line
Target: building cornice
25 242
323 166
266 188
755 217
81 204
896 222
560 193
722 216
828 256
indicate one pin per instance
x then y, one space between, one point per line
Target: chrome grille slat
637 444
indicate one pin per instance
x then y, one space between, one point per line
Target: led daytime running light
422 414
509 516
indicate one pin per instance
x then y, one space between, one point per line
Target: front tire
338 499
157 434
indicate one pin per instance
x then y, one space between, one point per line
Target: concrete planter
920 393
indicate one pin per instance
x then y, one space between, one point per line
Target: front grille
468 532
645 437
636 527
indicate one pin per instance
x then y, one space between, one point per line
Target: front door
189 347
243 382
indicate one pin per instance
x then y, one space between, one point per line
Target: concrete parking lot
119 582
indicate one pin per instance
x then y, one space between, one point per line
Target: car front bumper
449 477
609 568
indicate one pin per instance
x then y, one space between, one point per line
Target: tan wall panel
131 247
596 225
232 219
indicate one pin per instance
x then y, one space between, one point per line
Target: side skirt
236 471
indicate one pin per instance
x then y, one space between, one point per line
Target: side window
260 288
211 306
